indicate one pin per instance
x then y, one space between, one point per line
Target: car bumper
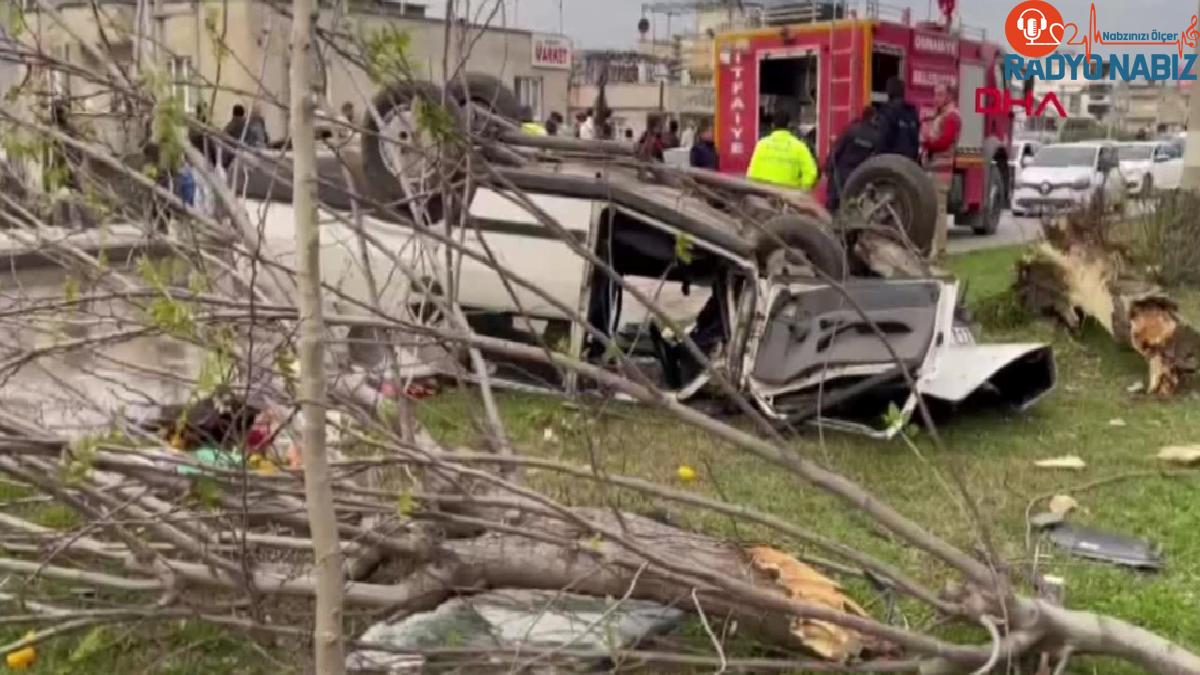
1133 185
1030 200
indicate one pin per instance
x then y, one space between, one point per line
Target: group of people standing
781 158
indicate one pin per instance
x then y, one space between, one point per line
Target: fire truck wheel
895 191
816 245
986 219
398 156
488 93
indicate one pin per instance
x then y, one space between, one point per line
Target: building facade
1152 107
237 51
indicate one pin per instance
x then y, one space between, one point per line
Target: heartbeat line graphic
1187 39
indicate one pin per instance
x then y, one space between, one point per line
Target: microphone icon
1030 27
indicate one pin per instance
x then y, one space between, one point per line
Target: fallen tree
1078 273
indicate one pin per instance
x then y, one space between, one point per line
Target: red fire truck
827 62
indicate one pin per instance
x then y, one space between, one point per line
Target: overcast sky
613 23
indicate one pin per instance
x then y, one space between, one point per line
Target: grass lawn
993 453
1091 414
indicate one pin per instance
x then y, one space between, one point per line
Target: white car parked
1151 166
1067 176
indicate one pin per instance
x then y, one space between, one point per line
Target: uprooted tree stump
1079 273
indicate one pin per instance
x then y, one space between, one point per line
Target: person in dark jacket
650 146
899 124
704 151
858 143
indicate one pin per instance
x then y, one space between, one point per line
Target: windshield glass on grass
1064 156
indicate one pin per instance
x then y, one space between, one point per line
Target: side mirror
1161 158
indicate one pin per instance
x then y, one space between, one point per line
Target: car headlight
1082 183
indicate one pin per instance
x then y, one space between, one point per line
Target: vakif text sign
551 51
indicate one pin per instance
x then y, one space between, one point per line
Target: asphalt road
1012 231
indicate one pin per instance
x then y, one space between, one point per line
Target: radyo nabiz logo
1036 29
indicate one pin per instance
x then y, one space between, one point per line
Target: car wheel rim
882 206
780 264
405 148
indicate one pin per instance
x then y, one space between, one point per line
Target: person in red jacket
939 136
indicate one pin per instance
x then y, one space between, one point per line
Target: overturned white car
796 312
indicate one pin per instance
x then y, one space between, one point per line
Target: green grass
993 452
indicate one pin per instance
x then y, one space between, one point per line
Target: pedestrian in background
939 136
256 129
650 146
899 124
587 128
704 151
671 138
858 143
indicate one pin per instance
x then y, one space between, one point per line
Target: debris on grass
23 658
1067 462
686 473
1047 520
1117 422
1187 455
1063 504
1107 547
801 582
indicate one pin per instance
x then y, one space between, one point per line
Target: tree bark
329 646
1078 274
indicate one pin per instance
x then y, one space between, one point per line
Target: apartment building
243 45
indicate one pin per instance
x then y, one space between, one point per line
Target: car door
1168 167
521 244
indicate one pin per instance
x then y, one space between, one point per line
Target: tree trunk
1077 274
327 636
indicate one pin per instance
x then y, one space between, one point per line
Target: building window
529 93
181 80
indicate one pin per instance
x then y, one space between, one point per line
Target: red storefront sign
739 108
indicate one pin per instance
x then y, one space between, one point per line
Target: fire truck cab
826 61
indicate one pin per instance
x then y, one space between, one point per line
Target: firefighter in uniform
939 135
781 158
858 143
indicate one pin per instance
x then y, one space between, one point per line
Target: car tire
986 219
389 165
914 197
816 243
489 93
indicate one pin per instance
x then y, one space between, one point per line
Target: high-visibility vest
533 129
783 159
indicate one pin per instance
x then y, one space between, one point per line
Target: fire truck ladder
845 73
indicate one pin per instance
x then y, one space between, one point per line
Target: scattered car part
512 619
1107 547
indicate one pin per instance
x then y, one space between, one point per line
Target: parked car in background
1150 166
1066 176
1023 151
